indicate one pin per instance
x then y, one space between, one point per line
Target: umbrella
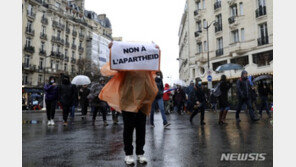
81 80
180 82
169 90
229 66
261 77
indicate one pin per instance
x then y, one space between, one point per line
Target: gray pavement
181 145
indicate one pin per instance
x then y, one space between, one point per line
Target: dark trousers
66 111
115 115
84 108
50 108
101 110
264 105
200 109
248 102
133 121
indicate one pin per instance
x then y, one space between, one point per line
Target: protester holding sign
131 90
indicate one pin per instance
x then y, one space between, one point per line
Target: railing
73 46
42 51
81 35
260 11
67 30
195 12
29 67
67 44
80 49
44 20
60 26
196 33
41 68
29 49
74 33
57 40
30 31
217 5
231 19
43 36
219 52
218 28
263 40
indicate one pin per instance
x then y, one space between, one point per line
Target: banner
134 56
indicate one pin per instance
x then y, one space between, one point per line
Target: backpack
217 91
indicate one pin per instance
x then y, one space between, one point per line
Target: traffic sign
209 78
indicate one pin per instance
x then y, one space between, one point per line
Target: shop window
243 61
217 64
263 59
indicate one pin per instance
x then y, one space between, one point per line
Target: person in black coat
83 93
264 91
199 100
66 97
179 99
244 92
223 99
75 101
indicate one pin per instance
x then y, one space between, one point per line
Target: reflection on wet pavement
182 144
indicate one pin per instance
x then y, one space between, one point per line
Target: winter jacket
83 93
66 94
159 84
243 88
263 91
94 100
166 96
179 97
75 96
223 98
51 92
197 94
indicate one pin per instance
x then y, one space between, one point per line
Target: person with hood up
51 96
66 97
96 103
244 93
179 99
264 91
83 93
166 98
159 100
223 99
199 101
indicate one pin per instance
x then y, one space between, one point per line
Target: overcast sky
146 20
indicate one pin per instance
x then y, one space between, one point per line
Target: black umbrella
229 66
262 77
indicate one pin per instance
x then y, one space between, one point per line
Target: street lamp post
208 53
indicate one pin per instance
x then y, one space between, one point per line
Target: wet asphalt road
181 145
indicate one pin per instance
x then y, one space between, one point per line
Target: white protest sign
134 56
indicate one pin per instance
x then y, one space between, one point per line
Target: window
193 73
57 65
25 79
42 46
51 64
216 65
243 61
241 8
199 28
28 42
199 47
66 52
43 30
72 68
27 60
41 60
59 34
67 38
220 43
65 66
80 43
205 23
198 4
58 48
39 78
73 41
242 34
234 35
80 56
233 10
30 9
205 46
73 54
29 25
261 3
203 4
263 58
218 26
263 30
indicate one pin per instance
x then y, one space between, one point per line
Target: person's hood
167 85
243 72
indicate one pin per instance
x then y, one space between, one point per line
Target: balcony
58 40
218 28
219 52
42 52
43 36
67 44
231 19
29 49
196 34
31 15
74 33
198 14
29 31
66 59
262 40
67 30
60 56
217 5
73 60
41 69
231 2
81 35
73 46
195 12
261 11
57 25
80 49
28 67
44 20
